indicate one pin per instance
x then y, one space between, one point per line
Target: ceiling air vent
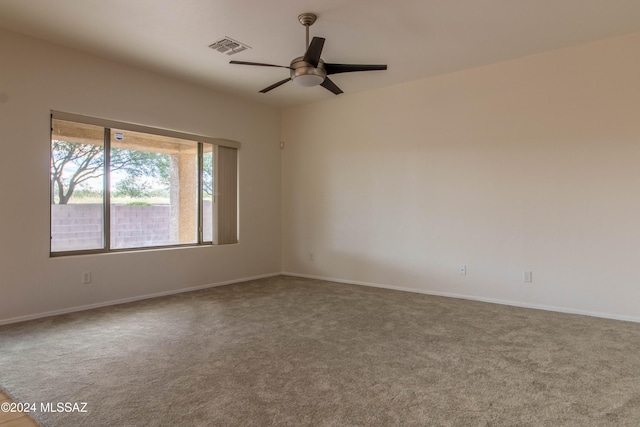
229 46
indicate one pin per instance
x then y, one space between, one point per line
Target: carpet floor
301 352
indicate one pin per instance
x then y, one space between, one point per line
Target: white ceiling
416 38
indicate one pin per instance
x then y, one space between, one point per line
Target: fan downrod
307 19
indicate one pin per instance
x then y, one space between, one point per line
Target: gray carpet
300 352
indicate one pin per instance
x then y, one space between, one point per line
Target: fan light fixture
308 80
303 74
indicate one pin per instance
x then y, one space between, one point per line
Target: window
116 186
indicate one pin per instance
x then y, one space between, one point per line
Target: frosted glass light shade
308 80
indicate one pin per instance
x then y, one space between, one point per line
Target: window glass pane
207 193
77 196
153 190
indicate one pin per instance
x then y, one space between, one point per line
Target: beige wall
36 77
531 164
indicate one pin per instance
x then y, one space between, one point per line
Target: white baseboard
132 299
472 298
330 279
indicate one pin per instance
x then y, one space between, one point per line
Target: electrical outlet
86 277
462 270
527 276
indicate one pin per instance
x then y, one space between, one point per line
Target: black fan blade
312 56
258 63
330 85
275 85
349 68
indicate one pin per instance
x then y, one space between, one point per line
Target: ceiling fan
309 70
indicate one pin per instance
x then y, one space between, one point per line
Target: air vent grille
229 46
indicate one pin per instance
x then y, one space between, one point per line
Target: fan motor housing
306 74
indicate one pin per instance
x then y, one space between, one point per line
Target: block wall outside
79 226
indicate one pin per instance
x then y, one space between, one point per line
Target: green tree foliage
133 186
73 164
207 174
